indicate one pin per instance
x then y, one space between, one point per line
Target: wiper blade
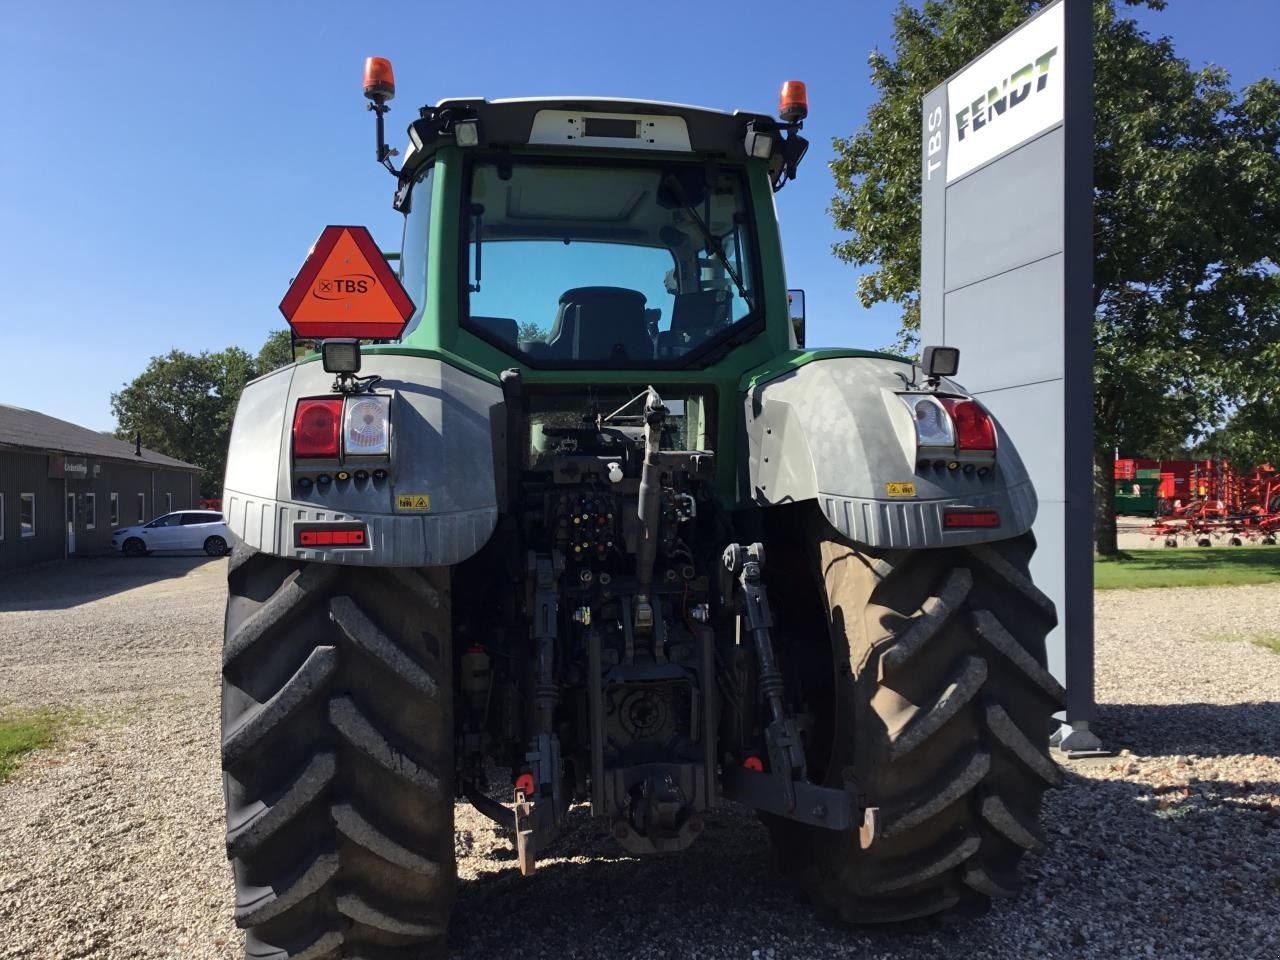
709 240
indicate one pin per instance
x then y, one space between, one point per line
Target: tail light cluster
330 428
954 433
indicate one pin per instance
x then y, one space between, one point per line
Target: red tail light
974 427
316 426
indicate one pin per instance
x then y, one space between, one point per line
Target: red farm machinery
1202 501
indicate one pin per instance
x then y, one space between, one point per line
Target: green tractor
594 527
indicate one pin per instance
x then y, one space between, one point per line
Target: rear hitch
784 788
526 842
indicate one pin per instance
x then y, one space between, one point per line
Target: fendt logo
336 288
1011 92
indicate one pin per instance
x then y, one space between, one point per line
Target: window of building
115 509
142 507
90 510
168 503
27 514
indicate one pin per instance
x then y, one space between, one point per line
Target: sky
164 167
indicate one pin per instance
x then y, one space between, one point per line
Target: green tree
276 352
531 331
183 404
1250 435
1187 217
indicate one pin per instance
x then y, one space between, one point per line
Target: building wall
149 491
143 493
29 473
183 488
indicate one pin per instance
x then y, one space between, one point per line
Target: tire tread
337 752
942 706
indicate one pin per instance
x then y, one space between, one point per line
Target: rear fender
833 431
443 436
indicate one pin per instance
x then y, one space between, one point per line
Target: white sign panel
1008 96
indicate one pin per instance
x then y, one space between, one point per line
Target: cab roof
607 123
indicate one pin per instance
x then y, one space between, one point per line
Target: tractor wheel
941 710
337 752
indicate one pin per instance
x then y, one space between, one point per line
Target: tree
183 404
531 331
1250 435
276 352
1187 217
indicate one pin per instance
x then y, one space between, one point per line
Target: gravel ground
110 844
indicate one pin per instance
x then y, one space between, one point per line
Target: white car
182 530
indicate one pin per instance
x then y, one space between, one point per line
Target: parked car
182 530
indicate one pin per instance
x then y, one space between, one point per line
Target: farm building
64 488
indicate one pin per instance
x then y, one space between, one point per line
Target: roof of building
39 431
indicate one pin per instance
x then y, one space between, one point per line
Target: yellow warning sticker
900 489
413 502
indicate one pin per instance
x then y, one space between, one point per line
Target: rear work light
968 519
933 426
974 428
366 426
316 428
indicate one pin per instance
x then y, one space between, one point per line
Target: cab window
415 246
631 264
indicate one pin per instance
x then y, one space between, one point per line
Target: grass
1267 641
1187 566
1270 642
22 731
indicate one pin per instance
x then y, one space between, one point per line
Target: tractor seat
695 317
503 328
601 323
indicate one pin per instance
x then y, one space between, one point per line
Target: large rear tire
337 751
941 709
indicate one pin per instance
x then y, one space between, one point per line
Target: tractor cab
564 234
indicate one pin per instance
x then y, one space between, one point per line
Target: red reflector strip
340 537
951 519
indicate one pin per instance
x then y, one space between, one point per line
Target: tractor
572 517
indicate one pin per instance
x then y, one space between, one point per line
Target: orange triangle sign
346 288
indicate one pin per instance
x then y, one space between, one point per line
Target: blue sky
165 166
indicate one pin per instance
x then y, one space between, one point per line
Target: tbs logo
341 287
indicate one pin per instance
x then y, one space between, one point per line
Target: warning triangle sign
346 288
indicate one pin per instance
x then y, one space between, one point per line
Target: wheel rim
134 548
215 546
